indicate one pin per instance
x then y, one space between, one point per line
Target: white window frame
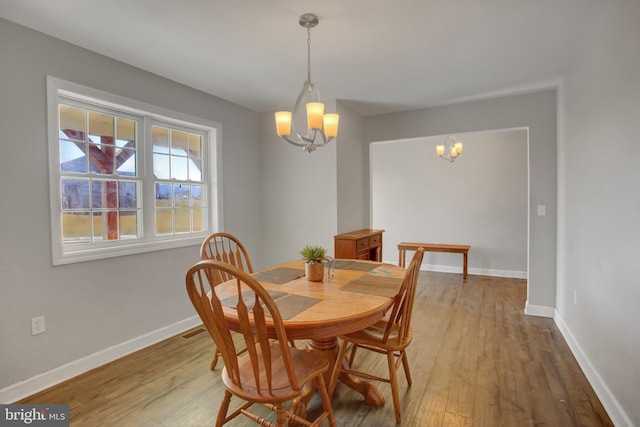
212 175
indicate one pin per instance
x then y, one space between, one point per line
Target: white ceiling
376 55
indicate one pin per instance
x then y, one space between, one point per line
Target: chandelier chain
309 54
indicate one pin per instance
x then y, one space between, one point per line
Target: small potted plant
314 262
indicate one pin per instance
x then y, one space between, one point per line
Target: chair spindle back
227 248
256 310
403 301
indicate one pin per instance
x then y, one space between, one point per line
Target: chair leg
326 402
214 362
337 368
224 407
405 364
393 377
281 415
353 354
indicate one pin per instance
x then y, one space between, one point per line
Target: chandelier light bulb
283 123
315 114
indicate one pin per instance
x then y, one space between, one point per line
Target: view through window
126 179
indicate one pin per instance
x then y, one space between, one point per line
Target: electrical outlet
37 325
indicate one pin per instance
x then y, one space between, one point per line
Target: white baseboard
475 271
615 411
62 373
512 274
538 310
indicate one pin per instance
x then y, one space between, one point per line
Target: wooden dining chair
227 248
270 372
390 336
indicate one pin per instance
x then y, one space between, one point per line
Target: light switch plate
37 325
542 210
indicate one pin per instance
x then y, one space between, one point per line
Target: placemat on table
342 264
279 276
374 285
288 304
291 304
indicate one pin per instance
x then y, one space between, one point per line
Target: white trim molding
62 373
615 411
456 269
538 310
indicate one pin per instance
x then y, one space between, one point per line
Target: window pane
100 126
195 157
179 143
179 168
128 224
125 133
181 195
197 219
195 169
73 157
102 157
164 221
128 195
160 139
183 220
126 163
104 194
161 166
75 193
72 122
76 227
196 196
105 225
195 145
163 196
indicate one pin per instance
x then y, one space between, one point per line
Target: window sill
91 254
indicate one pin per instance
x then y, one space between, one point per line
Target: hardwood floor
476 360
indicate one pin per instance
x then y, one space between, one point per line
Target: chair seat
306 365
373 336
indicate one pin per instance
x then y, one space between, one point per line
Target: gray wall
92 306
599 211
537 112
480 200
299 196
353 172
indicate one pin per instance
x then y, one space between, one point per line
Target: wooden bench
403 247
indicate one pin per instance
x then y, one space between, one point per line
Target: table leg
369 391
328 348
464 265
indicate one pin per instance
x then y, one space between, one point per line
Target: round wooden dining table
352 296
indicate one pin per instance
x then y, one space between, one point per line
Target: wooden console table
403 247
363 244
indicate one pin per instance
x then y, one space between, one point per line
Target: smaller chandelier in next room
450 150
318 123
